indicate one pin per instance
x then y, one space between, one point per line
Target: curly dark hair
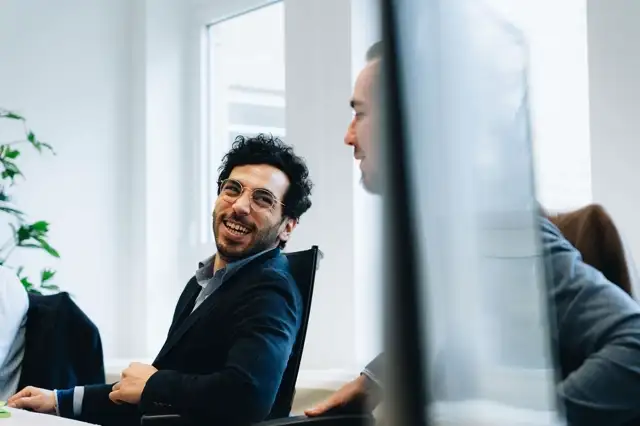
266 149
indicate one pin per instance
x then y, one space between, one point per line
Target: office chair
303 265
592 231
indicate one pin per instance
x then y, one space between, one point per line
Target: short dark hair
374 52
266 149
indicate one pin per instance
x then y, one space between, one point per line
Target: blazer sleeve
88 361
97 408
264 329
599 326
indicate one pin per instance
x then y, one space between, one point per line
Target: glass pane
465 76
246 89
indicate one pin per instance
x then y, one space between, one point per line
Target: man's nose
350 137
242 206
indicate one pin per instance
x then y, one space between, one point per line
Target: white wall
103 82
556 37
318 88
367 222
65 68
614 85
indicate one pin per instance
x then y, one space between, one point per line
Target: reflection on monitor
463 78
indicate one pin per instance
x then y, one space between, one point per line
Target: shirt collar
205 268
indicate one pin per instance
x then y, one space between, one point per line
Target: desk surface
27 418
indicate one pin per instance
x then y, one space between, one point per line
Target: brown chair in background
592 231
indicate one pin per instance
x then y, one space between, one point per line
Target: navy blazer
223 363
63 347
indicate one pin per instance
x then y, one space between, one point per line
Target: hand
36 399
129 388
349 393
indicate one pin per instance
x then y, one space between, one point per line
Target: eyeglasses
261 199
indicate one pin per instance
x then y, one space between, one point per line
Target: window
557 36
245 90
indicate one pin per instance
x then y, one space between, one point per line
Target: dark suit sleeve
599 330
97 408
87 349
264 330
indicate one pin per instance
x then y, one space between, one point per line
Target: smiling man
237 319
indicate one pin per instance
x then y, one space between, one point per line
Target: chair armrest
162 420
329 420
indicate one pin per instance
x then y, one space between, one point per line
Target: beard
371 183
261 238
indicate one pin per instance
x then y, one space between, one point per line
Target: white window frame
197 218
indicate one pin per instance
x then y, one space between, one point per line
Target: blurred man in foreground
598 325
237 319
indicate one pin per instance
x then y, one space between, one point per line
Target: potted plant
25 234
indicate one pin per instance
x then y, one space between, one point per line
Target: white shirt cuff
372 376
78 396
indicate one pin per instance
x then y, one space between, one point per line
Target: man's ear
288 225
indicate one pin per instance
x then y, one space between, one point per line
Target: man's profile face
243 225
361 133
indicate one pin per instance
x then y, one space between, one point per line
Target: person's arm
361 395
600 325
92 404
264 331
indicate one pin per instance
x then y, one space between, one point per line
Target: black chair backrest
303 266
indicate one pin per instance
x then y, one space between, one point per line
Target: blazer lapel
186 303
191 318
181 327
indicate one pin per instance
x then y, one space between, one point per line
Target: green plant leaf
45 245
31 137
11 170
19 270
40 226
12 211
26 283
23 233
11 115
49 147
30 245
46 275
51 287
11 153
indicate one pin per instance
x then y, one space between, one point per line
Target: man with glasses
597 326
237 319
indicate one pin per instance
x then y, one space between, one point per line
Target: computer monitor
469 320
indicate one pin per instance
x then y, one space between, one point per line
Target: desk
27 418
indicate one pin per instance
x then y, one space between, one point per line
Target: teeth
238 228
